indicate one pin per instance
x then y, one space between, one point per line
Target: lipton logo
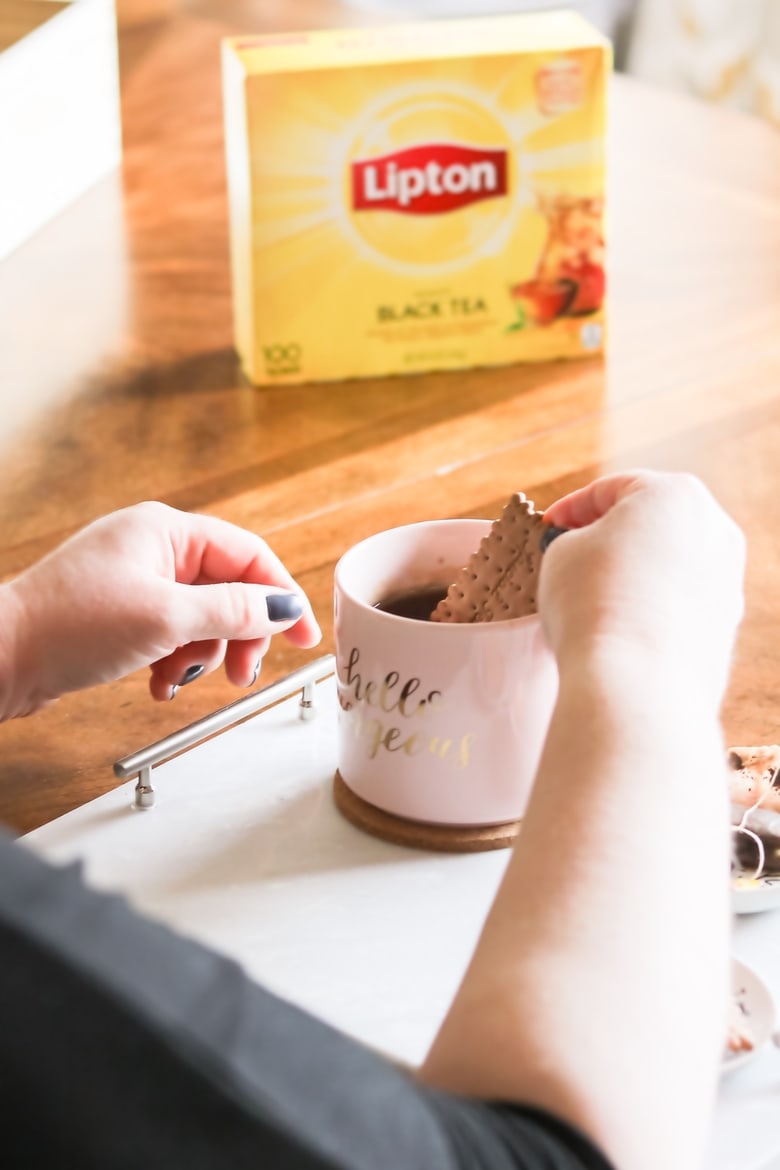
429 179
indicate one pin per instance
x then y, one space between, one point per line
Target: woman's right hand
651 561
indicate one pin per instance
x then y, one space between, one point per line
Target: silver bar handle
142 762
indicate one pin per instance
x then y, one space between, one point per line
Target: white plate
757 1008
749 896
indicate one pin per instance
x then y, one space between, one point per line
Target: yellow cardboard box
417 197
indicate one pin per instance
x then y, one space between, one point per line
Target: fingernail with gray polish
173 693
283 607
253 679
549 535
190 674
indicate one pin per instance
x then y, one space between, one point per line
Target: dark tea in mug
417 604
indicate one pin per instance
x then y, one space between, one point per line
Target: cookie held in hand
500 580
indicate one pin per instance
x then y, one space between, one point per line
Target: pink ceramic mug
439 722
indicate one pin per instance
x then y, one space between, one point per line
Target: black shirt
124 1045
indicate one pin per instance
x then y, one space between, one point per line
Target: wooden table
116 348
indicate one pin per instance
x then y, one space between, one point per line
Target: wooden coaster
418 834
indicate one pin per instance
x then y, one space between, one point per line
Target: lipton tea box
417 197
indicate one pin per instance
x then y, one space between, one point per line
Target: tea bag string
742 827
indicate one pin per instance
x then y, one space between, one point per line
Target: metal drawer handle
142 762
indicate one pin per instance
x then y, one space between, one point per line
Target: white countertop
246 852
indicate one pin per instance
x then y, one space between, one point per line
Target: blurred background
63 71
67 83
725 51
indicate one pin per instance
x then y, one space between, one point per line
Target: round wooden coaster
418 834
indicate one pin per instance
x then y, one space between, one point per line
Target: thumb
235 610
588 504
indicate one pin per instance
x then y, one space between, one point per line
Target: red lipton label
427 180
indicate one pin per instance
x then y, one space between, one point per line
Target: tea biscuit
500 579
755 776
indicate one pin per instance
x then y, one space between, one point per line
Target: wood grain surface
120 383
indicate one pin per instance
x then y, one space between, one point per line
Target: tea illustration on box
569 280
